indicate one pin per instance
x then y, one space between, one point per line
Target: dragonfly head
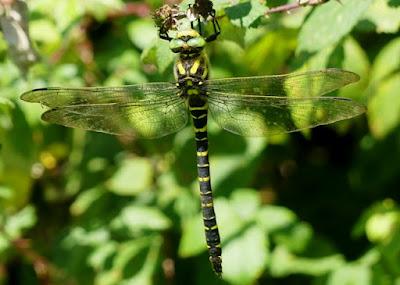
187 42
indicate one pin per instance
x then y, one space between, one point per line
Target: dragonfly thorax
191 72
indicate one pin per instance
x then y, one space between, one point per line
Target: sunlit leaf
381 227
283 263
295 238
193 240
385 16
387 61
273 218
19 222
164 56
137 30
133 176
82 236
245 256
85 200
329 23
138 218
384 107
246 203
98 257
351 274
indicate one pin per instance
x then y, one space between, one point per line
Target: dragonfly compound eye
176 45
197 42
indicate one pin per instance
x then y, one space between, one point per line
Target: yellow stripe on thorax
195 66
181 69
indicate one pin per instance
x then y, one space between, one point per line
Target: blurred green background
316 207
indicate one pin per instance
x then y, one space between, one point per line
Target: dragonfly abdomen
199 116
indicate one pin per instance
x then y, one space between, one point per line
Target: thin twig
296 5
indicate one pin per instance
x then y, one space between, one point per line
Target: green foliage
317 207
316 33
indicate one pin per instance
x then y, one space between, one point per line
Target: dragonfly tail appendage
199 115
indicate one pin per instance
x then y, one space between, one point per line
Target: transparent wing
285 103
308 84
138 94
144 110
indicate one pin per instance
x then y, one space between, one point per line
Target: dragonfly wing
143 110
308 84
147 121
265 115
61 97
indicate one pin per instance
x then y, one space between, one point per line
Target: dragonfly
256 106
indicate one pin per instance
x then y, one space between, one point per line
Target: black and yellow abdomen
190 71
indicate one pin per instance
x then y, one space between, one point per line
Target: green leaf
84 237
295 238
138 218
142 33
246 202
329 23
274 218
245 14
245 256
226 165
16 158
384 107
192 240
97 259
386 62
20 222
67 12
132 177
164 55
284 263
381 226
348 56
4 246
386 17
134 263
101 8
275 48
355 60
6 107
351 274
85 200
45 31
